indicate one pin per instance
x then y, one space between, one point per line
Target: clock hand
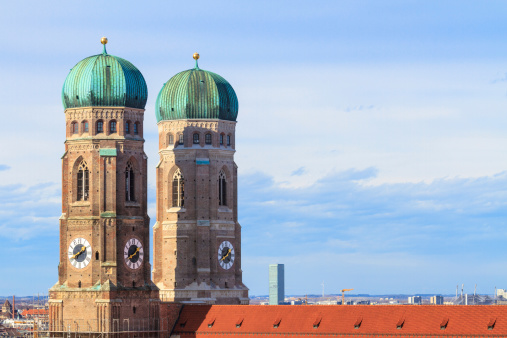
137 250
228 252
79 252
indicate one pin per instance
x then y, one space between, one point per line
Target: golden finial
196 56
103 40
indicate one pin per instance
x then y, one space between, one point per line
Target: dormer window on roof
358 322
277 321
491 324
400 323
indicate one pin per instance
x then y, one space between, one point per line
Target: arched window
100 127
82 182
74 128
136 128
228 140
196 138
207 139
178 189
180 140
170 139
127 127
222 188
221 139
112 127
129 183
85 126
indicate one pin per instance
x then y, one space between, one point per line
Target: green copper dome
104 80
197 94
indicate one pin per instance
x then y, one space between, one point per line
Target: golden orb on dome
103 40
196 56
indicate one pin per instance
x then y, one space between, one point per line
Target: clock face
133 253
226 255
80 253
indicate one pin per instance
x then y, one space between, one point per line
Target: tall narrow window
129 183
74 128
127 127
112 127
196 138
136 128
180 140
207 139
100 127
85 126
178 189
222 188
83 182
170 140
221 139
228 140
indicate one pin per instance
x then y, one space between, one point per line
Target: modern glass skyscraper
276 284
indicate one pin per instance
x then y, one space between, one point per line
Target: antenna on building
475 289
322 289
462 286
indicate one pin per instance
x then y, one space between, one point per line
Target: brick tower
104 282
197 237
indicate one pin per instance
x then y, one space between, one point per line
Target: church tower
104 282
197 237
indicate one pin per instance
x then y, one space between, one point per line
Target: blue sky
370 141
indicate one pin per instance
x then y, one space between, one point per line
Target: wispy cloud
342 216
4 167
29 212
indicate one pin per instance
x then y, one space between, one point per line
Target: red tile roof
32 312
354 320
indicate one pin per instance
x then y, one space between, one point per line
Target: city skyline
369 142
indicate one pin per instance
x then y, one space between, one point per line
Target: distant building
437 300
417 300
6 310
276 284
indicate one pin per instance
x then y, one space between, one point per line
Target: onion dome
197 94
104 80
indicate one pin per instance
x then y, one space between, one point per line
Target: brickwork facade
104 274
197 237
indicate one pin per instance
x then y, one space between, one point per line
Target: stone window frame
178 189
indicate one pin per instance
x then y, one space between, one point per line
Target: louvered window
129 183
221 139
180 140
178 189
222 188
207 138
127 127
83 182
228 140
85 126
196 138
